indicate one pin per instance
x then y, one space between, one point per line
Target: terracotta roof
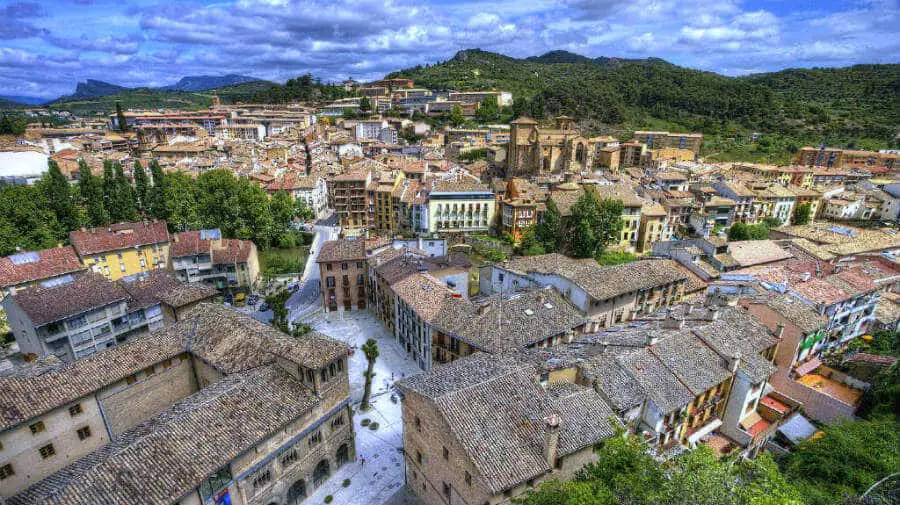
342 250
38 265
86 292
118 236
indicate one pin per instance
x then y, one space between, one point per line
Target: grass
275 261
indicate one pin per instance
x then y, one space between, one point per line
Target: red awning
807 367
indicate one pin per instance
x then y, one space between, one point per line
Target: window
323 375
122 266
418 424
331 369
328 267
310 376
37 427
446 452
340 365
262 479
337 421
47 451
84 433
315 438
419 457
6 471
289 458
131 379
359 264
344 266
447 490
74 410
329 281
468 478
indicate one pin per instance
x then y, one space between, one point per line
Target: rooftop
342 250
37 265
118 236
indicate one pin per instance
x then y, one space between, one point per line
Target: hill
93 88
207 82
855 106
24 100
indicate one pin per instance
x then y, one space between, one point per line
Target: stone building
488 428
45 267
539 151
204 256
342 273
218 407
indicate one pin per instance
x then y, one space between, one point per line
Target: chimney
551 438
652 339
671 322
837 269
688 309
542 298
779 330
713 314
734 362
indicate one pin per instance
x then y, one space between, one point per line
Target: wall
131 260
127 405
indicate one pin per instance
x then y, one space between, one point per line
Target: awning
807 367
797 429
702 432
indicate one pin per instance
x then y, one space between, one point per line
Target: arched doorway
320 474
580 154
297 492
343 455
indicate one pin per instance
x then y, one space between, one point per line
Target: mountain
24 100
93 88
206 82
848 106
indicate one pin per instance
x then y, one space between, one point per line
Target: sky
47 46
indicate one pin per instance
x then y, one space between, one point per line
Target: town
394 297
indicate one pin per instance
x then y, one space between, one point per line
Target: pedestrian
364 462
392 376
361 459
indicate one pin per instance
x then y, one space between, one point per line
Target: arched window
343 455
297 492
321 473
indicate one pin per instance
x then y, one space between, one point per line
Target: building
533 150
654 226
831 157
349 198
460 204
122 249
90 313
664 140
203 256
631 211
606 295
714 214
503 98
216 408
46 267
342 274
309 189
487 429
521 207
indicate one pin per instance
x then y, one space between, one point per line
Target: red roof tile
49 263
118 236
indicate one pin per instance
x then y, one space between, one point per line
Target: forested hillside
855 106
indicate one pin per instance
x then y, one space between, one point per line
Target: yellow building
654 226
383 193
122 249
631 213
663 140
767 173
810 196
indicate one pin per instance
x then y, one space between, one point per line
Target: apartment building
715 213
89 313
663 140
521 207
203 256
831 157
503 98
460 204
46 267
349 197
217 408
537 430
606 295
654 226
309 189
342 274
122 249
631 212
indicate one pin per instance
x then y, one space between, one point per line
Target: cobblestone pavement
381 480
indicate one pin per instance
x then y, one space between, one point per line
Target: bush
365 422
329 498
373 426
345 483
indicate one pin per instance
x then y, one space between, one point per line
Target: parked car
253 299
263 307
240 299
292 287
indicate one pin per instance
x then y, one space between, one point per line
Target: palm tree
370 349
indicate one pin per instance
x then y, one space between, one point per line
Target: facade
123 249
521 207
219 407
607 296
203 256
460 205
540 151
310 189
449 413
90 313
663 140
342 273
350 199
46 267
654 226
504 98
845 158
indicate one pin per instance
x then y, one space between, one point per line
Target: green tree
26 220
803 214
180 208
302 211
593 225
141 186
456 117
282 211
109 190
125 203
741 231
488 110
550 230
120 118
157 198
530 245
370 349
59 196
238 207
365 105
850 457
90 188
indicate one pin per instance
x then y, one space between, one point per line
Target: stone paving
381 480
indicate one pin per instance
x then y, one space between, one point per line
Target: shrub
365 422
345 483
329 498
373 426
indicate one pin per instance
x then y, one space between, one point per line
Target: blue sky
47 46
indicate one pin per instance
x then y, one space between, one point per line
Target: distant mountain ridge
24 100
93 88
206 82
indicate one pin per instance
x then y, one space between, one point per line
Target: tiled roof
38 265
225 339
342 250
754 252
618 386
804 316
118 236
423 293
159 285
496 409
231 250
87 292
167 456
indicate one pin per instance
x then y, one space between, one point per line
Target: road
306 299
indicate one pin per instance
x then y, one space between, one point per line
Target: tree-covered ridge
856 105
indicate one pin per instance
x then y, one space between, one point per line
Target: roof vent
529 312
